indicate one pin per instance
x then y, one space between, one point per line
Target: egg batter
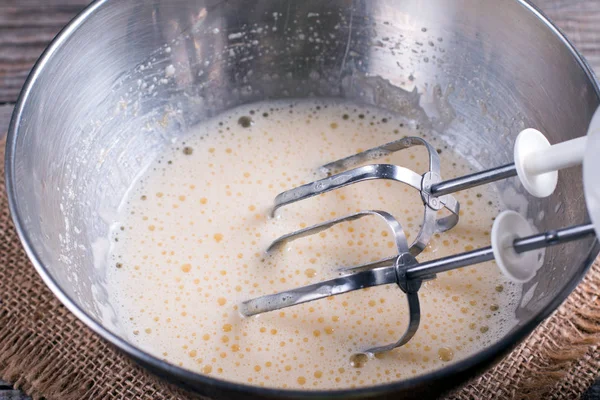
191 238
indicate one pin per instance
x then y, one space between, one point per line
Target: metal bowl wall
103 101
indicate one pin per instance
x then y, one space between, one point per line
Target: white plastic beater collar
528 143
508 226
537 162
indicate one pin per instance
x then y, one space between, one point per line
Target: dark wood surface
27 26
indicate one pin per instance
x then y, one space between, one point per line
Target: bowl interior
128 78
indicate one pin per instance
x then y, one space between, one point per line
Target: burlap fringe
51 378
580 335
24 361
560 360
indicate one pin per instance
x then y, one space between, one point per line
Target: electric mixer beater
513 241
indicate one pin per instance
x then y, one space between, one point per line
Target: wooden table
27 26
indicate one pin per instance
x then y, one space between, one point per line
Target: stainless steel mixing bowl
125 78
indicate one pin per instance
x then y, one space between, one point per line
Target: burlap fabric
47 352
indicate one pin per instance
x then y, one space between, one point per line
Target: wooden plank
580 21
26 28
5 114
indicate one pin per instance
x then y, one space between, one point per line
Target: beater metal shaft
388 274
472 180
521 245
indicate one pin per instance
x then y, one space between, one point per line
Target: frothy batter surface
189 247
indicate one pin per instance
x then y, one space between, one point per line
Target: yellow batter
192 235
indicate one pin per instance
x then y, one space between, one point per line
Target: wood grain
5 114
580 22
26 28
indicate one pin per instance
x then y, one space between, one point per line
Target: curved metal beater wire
348 283
432 204
408 274
378 272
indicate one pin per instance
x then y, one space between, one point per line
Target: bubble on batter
358 360
445 354
245 121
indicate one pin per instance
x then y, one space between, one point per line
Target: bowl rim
471 362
